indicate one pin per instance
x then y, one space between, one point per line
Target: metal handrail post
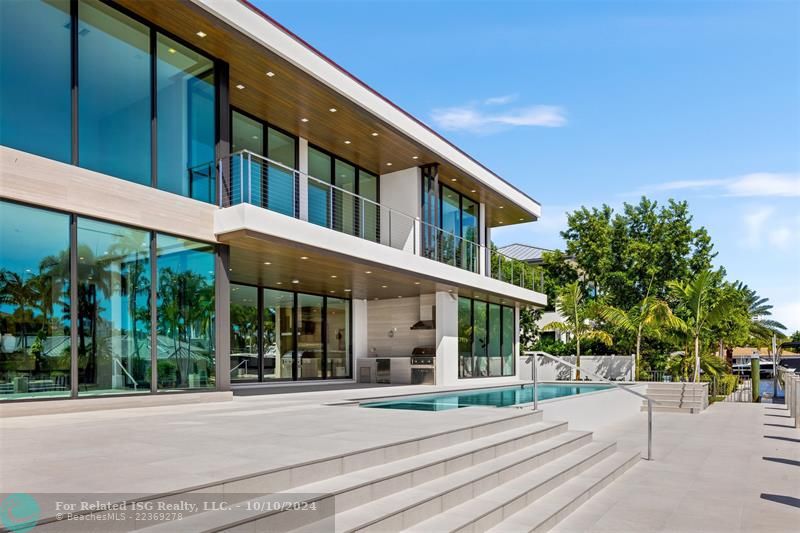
650 401
535 384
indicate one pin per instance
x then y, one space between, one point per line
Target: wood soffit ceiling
291 95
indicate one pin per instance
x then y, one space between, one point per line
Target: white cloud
788 314
767 228
754 222
749 185
500 100
473 118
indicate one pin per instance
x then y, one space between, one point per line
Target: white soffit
261 29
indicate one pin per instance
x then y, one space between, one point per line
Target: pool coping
359 401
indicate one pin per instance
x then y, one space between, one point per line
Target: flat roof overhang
268 249
306 84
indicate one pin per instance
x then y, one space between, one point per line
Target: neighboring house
533 256
197 171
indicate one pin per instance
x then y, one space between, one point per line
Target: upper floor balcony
267 184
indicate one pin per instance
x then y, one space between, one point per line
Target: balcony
262 182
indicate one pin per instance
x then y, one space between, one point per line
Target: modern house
193 198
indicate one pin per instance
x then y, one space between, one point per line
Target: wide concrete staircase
689 398
514 474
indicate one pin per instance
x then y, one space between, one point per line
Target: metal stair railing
532 358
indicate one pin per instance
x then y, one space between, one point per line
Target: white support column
302 166
360 337
446 338
482 255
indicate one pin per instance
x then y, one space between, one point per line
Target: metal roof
523 252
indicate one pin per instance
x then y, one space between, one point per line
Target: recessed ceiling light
383 286
388 164
473 190
279 283
201 34
348 290
332 110
374 133
399 296
171 50
240 86
331 292
270 74
303 257
333 276
375 298
415 157
521 219
267 263
347 142
230 270
368 272
416 283
295 281
449 290
500 222
303 120
453 179
501 207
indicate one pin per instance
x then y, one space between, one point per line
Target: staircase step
364 485
408 507
549 510
489 508
678 403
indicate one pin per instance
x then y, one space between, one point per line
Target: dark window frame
488 337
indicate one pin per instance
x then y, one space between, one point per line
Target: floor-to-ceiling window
113 308
114 96
450 223
108 296
302 336
185 315
244 333
270 184
124 66
186 118
341 208
35 100
310 335
486 339
278 335
338 338
35 348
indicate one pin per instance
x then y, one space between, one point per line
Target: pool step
346 491
503 434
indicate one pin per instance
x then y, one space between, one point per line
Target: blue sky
591 102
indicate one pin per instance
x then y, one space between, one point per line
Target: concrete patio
733 467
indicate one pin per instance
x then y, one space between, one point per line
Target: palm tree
18 292
695 298
761 326
577 321
640 320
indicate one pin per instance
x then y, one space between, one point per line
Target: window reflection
244 333
113 308
309 336
185 314
34 303
278 334
338 338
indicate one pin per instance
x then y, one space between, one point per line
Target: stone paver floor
734 467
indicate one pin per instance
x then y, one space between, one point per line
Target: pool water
502 397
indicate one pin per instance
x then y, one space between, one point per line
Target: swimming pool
502 397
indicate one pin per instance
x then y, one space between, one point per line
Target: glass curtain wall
185 315
369 213
486 339
113 308
310 336
280 183
344 205
114 97
35 76
116 56
470 214
449 243
278 334
244 333
35 348
246 134
320 166
338 338
318 326
186 118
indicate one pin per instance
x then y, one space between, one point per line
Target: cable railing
265 183
532 356
260 181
